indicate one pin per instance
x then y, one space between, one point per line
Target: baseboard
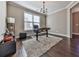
76 33
61 35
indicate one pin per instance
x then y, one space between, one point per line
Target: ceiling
51 5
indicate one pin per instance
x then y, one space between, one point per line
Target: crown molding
70 5
56 11
22 6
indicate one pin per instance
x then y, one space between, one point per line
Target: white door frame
69 22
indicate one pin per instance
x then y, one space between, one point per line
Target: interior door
75 23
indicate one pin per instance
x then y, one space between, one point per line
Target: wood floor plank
65 48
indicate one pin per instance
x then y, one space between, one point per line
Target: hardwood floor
65 48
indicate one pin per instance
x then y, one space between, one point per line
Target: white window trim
32 20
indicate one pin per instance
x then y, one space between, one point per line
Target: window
37 20
30 20
27 21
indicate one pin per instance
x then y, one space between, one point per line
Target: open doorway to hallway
75 21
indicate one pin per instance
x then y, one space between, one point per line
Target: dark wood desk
39 30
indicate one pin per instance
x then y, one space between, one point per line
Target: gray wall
58 22
17 11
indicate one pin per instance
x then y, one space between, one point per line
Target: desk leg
46 33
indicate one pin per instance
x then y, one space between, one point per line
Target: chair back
35 27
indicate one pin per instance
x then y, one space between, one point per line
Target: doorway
75 23
75 20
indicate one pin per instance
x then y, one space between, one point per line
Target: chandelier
43 9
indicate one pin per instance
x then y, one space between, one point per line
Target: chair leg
46 33
37 36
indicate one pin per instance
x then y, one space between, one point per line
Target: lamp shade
10 20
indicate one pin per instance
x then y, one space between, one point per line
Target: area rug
35 48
